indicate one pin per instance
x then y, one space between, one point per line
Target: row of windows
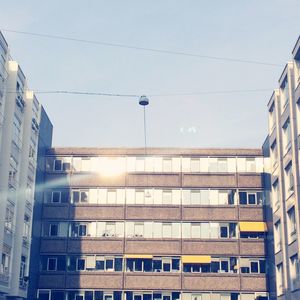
117 165
155 196
149 295
151 229
148 263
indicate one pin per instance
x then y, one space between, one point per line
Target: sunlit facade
19 130
177 224
284 130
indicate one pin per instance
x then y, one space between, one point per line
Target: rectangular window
289 178
53 230
140 164
195 165
291 224
56 196
138 229
277 236
167 165
111 196
52 264
222 165
139 196
57 166
195 197
167 197
286 128
294 270
80 264
166 230
279 279
250 164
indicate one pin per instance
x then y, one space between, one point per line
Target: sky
200 112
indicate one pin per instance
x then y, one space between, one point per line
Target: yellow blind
253 227
196 259
138 256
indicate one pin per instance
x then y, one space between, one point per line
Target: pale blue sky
256 30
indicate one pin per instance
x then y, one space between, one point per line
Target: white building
19 127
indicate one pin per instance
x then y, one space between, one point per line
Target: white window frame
48 262
59 193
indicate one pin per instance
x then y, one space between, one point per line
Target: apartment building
284 130
175 224
19 129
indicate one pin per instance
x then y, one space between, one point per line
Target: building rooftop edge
155 150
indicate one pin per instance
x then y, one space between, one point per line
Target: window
56 196
291 224
80 266
277 236
274 154
167 197
250 164
81 196
53 230
111 196
222 164
52 264
289 178
139 229
275 195
43 295
272 117
9 218
279 279
139 196
167 165
26 227
284 93
195 165
166 230
78 230
140 164
224 231
57 166
294 270
286 135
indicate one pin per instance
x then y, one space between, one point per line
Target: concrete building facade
19 127
174 224
284 131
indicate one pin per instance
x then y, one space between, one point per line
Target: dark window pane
84 197
243 197
72 263
82 230
109 264
57 167
262 266
138 265
56 197
148 265
157 265
66 166
167 267
99 264
175 264
175 296
214 266
224 232
251 198
88 295
260 198
118 264
61 263
52 264
75 196
129 265
137 297
80 264
53 230
254 267
44 295
57 295
245 270
147 297
117 295
157 296
224 266
187 268
98 295
205 268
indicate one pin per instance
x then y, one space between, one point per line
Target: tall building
20 115
284 130
175 224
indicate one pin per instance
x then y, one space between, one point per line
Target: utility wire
136 95
154 50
